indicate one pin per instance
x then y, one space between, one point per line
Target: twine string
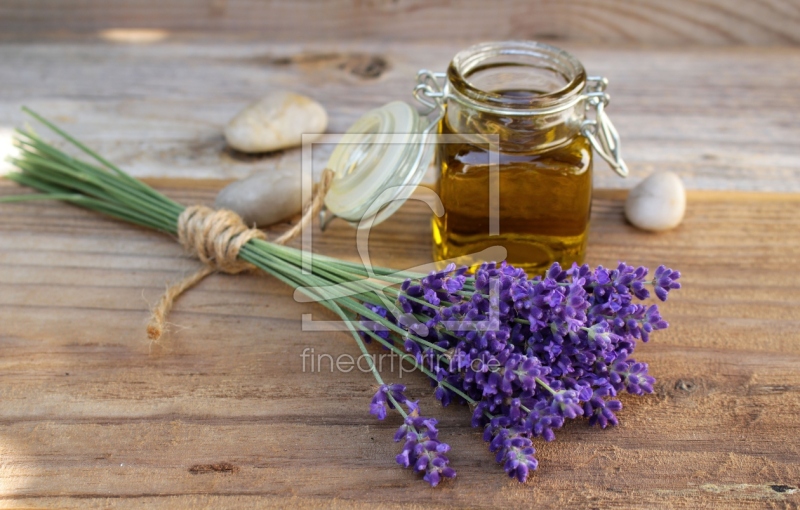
216 237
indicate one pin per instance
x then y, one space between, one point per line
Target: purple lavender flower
526 353
541 422
665 279
375 326
382 398
513 449
422 449
631 375
566 404
601 412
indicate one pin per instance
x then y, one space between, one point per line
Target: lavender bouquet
524 353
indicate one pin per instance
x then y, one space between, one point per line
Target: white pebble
276 121
657 203
263 198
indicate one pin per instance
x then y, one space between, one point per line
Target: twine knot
216 237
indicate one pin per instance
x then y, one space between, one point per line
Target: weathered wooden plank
617 21
223 415
722 118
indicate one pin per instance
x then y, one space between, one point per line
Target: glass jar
525 101
514 148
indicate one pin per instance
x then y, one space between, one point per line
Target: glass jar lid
378 163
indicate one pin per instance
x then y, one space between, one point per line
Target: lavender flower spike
422 449
381 399
664 280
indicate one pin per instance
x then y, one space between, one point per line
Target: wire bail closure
431 93
601 131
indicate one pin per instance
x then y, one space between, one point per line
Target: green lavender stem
109 190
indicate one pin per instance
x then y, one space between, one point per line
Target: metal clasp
600 131
431 90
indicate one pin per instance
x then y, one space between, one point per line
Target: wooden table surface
722 118
221 414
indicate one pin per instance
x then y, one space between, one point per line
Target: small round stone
657 203
264 198
276 121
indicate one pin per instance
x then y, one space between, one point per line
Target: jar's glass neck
527 94
525 77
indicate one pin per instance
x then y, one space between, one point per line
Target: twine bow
216 237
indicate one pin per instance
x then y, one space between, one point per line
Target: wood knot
362 65
221 467
687 386
368 67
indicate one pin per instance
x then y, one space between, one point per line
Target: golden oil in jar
544 203
525 102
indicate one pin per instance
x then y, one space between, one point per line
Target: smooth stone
276 121
657 203
263 198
